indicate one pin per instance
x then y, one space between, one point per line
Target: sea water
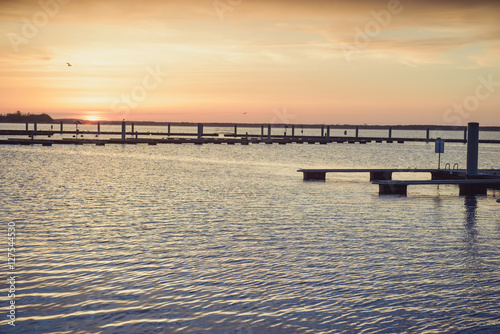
230 239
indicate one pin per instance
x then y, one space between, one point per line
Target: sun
92 117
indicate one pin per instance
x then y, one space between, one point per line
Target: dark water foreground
229 239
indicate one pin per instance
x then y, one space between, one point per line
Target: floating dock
471 181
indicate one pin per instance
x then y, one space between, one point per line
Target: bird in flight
69 64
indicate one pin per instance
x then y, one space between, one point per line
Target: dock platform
386 174
467 186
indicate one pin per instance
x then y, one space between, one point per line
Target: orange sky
328 61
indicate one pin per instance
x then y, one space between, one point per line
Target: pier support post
200 130
269 131
465 135
314 176
322 131
132 131
392 189
357 131
98 128
328 133
380 176
123 129
168 130
390 132
34 125
61 127
428 135
235 130
293 131
473 189
472 149
262 132
27 126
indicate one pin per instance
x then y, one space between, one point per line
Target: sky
253 61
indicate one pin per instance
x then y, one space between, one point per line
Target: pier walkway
467 186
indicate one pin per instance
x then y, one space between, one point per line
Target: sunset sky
326 61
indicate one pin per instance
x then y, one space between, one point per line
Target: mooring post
123 130
262 131
269 131
428 135
98 128
132 132
200 130
357 131
168 131
293 131
235 130
472 148
390 132
465 134
27 126
34 125
328 132
61 127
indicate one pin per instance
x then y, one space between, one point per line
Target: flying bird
69 64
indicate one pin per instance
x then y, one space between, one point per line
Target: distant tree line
19 117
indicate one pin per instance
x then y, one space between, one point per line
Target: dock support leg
123 130
61 127
380 176
314 176
473 189
269 131
200 130
472 148
392 189
357 131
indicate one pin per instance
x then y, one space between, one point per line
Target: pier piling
123 130
200 130
472 148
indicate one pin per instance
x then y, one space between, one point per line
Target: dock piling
123 130
200 130
472 148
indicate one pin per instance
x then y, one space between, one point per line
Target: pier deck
467 186
386 174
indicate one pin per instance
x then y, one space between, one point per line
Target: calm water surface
229 239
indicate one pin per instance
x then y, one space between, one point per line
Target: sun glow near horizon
320 60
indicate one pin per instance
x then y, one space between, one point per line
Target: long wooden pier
214 133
